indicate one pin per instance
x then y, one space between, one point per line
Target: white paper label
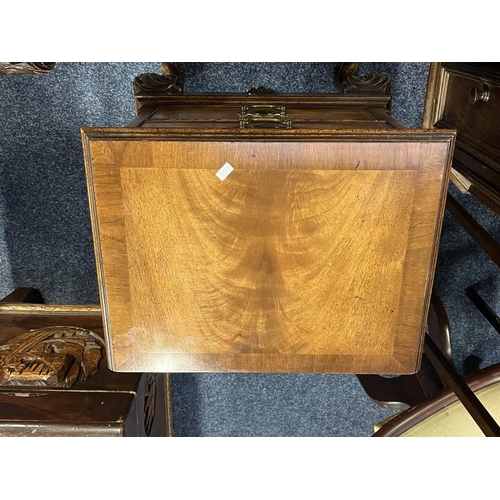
224 171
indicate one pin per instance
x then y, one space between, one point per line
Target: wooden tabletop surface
309 256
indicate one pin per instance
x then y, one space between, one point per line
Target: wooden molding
461 182
269 135
437 85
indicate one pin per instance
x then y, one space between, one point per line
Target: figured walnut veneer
315 254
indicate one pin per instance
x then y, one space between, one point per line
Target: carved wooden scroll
26 68
347 80
171 81
56 356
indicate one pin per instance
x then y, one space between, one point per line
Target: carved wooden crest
57 356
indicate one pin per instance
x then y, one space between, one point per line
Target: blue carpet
46 242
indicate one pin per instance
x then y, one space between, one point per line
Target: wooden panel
323 124
196 115
482 119
280 155
477 169
174 112
308 257
215 102
54 414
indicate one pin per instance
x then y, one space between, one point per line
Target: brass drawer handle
264 117
479 95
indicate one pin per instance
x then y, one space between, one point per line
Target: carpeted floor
46 242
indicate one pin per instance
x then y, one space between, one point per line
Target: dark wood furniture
313 251
467 96
41 394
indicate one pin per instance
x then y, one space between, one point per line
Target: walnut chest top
244 248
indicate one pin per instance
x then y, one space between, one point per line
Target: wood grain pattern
481 119
309 257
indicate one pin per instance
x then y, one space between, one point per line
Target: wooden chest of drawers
466 96
265 233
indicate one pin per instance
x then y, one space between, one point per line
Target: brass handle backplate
479 95
264 116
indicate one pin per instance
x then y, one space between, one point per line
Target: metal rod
490 246
456 383
484 308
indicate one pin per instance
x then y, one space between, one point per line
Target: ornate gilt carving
347 80
25 68
57 356
170 82
24 308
